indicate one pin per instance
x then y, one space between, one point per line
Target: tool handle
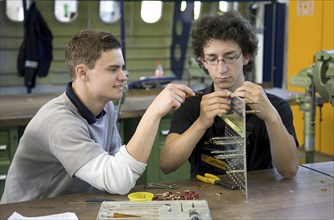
205 179
227 185
211 176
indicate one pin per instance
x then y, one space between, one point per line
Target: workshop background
309 29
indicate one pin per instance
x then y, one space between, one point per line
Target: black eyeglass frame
225 60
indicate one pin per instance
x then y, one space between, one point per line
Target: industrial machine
318 81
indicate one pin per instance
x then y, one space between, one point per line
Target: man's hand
213 104
256 98
170 98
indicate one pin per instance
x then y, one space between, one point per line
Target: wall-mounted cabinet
8 146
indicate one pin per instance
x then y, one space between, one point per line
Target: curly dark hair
87 46
227 26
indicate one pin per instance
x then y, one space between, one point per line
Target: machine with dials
317 80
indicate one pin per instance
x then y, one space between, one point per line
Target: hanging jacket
35 53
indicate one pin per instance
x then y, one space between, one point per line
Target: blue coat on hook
35 54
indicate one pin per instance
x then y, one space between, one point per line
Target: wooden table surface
309 195
326 168
17 110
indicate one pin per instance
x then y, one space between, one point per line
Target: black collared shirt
258 144
82 109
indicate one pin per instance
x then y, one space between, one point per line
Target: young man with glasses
225 46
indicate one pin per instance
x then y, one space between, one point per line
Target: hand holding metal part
247 101
256 98
211 105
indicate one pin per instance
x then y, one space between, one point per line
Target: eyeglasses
225 60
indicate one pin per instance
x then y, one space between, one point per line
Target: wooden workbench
17 110
326 168
309 195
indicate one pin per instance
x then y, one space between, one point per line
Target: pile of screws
186 195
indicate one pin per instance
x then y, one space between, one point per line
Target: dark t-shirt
258 145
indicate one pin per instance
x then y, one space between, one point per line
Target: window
66 10
197 8
223 6
151 11
183 5
14 10
109 11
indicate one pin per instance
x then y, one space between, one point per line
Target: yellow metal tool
213 179
121 215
